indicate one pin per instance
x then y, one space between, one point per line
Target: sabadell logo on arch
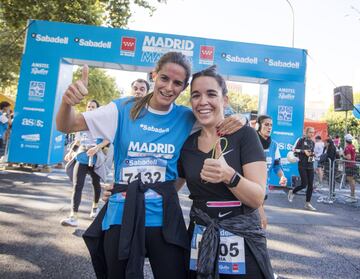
90 43
50 39
282 64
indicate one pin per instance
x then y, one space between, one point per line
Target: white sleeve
103 121
3 119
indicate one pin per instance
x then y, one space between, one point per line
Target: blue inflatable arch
52 48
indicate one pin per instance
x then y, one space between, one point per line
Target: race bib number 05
231 251
148 169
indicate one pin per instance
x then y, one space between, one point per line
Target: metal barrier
341 174
345 171
327 169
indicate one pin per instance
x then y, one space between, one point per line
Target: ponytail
139 104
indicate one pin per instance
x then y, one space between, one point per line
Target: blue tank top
147 148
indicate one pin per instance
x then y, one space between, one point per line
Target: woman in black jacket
304 149
329 153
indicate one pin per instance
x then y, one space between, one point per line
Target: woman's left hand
217 170
92 151
231 124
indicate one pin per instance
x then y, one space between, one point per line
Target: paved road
302 244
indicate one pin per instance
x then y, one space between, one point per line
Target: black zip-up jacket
132 241
305 144
244 225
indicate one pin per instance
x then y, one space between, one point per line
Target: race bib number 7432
148 169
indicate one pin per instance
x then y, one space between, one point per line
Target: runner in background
5 122
304 149
350 167
263 127
318 151
82 158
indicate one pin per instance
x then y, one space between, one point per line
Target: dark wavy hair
211 72
96 102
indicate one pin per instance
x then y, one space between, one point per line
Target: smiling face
169 83
266 127
207 101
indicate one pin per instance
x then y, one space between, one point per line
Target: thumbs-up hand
217 170
77 90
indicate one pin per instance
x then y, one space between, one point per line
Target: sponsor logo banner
37 91
286 93
128 46
285 115
50 39
34 109
31 137
31 122
239 59
90 43
39 69
282 64
207 54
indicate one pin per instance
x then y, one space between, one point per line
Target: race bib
231 251
148 169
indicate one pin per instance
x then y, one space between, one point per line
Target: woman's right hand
107 192
77 91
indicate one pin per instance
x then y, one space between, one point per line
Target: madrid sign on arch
52 48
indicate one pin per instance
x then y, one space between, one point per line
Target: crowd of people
159 146
5 125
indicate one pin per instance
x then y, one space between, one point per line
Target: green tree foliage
101 87
336 120
184 98
242 102
15 13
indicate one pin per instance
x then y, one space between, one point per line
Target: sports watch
234 180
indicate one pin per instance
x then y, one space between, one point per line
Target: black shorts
350 171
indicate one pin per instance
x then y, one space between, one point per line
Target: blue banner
51 47
286 106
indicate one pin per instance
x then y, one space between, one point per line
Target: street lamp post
293 22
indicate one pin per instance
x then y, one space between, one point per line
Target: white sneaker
70 221
94 212
290 196
351 200
308 206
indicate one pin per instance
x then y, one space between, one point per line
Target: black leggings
80 171
307 179
167 260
